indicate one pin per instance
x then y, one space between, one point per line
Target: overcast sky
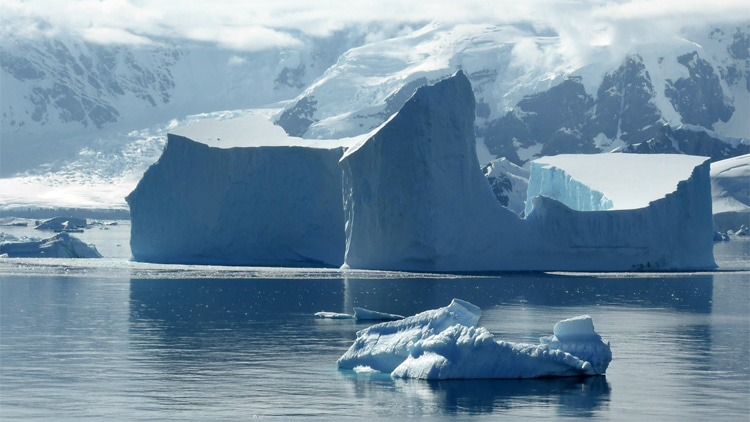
258 24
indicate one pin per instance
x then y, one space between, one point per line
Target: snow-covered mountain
689 94
92 117
59 94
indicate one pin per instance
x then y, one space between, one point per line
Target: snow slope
371 82
509 183
730 188
415 199
102 174
238 193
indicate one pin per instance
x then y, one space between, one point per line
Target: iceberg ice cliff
240 192
414 195
415 199
444 343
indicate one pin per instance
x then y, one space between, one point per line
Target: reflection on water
188 302
76 347
254 324
691 293
580 397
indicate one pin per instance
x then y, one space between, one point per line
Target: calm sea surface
116 340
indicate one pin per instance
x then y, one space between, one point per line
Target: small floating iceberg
384 346
63 224
62 245
445 344
333 315
360 314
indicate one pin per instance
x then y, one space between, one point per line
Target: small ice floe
364 370
333 315
63 224
360 314
13 222
444 343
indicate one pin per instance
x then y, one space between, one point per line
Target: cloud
236 61
244 38
260 24
102 35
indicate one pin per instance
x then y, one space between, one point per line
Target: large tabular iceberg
445 344
240 193
415 199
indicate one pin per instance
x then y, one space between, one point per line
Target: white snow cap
580 327
249 131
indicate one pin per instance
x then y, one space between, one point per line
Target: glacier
240 192
445 343
415 199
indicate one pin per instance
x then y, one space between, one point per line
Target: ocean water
110 339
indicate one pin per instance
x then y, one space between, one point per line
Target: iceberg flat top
251 131
630 181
